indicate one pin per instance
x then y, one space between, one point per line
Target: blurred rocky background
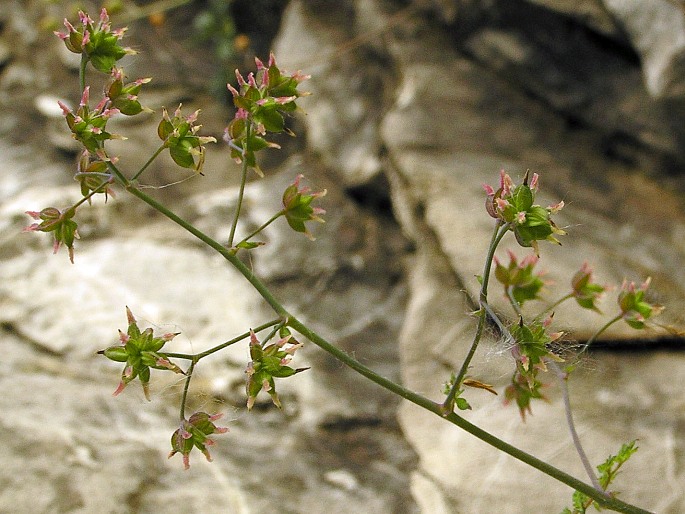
415 104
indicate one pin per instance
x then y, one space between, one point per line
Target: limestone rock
591 13
657 31
452 125
346 102
414 107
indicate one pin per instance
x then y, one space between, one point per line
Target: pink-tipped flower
262 101
65 109
96 41
514 207
140 351
268 363
233 90
556 207
194 433
584 290
239 78
179 134
297 207
634 308
63 228
505 183
124 97
520 280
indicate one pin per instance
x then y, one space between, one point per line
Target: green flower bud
193 433
97 41
63 228
140 351
179 135
297 207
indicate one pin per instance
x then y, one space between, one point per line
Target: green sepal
181 156
116 353
272 120
164 129
522 198
144 374
128 107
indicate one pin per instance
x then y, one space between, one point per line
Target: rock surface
414 106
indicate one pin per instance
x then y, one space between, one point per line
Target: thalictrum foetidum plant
263 102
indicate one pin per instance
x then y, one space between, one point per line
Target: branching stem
186 386
563 385
262 227
499 232
415 398
149 161
214 349
445 409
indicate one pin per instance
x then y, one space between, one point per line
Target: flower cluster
586 292
530 351
61 224
297 206
179 134
261 102
523 390
140 351
519 279
89 126
268 363
96 42
514 206
635 309
193 433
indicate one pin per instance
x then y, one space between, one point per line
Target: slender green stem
497 235
599 332
214 349
241 193
500 324
514 304
285 317
149 161
82 72
273 332
225 252
554 305
119 175
186 386
448 403
95 191
262 227
563 384
436 408
500 230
